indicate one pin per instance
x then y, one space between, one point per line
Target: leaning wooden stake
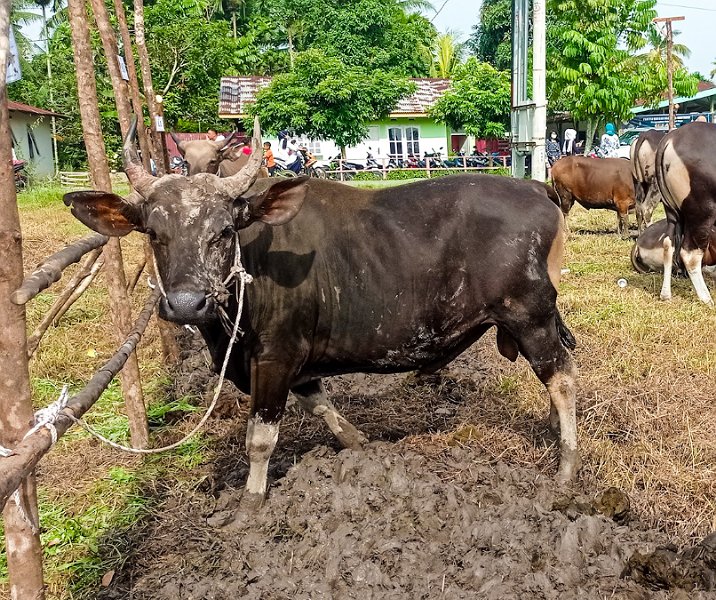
50 269
27 453
116 283
22 535
73 290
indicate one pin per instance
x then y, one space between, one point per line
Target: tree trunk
592 124
116 283
167 331
160 156
22 538
136 98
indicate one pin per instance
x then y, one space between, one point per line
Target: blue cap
611 130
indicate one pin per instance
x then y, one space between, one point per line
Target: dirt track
406 520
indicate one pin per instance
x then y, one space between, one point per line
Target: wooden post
160 157
116 283
136 98
22 535
669 64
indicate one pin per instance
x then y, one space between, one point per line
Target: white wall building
32 137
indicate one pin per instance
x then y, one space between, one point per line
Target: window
314 146
404 140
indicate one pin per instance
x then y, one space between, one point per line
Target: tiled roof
238 92
33 110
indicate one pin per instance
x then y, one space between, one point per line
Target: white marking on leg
562 392
319 405
668 264
692 261
261 439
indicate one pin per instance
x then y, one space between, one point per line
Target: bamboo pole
27 453
116 282
22 535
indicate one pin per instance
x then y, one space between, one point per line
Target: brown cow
595 183
643 165
687 181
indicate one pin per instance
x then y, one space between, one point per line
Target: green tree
490 40
323 99
651 67
477 102
589 68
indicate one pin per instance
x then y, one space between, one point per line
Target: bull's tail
565 335
553 195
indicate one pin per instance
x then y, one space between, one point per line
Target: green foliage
478 101
491 38
589 68
323 98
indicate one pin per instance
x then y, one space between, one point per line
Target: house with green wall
407 130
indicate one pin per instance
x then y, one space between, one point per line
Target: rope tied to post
44 417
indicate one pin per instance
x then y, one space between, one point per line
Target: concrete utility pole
529 115
669 63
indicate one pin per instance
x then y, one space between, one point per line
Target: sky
697 30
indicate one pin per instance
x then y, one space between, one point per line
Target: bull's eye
225 234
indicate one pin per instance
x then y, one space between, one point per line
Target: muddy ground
428 510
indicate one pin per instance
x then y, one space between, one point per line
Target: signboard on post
122 67
13 61
159 123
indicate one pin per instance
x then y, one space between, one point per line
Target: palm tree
446 54
657 52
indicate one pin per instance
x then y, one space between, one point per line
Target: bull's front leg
269 392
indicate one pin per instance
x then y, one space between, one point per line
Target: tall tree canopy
323 98
490 40
589 48
477 102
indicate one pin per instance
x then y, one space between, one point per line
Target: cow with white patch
686 175
642 154
351 280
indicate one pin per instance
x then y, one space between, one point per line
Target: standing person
293 161
609 144
552 151
269 159
570 135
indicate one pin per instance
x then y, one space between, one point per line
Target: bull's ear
104 212
277 201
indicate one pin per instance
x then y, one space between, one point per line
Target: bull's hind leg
312 397
541 345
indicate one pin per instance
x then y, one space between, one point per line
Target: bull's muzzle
187 308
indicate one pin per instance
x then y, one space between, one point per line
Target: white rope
244 278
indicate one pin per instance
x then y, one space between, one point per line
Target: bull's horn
138 177
178 142
237 184
226 142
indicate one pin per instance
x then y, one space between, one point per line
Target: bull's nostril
201 305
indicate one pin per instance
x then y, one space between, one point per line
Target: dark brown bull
348 280
687 180
595 183
643 165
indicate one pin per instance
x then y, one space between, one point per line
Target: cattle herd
395 279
